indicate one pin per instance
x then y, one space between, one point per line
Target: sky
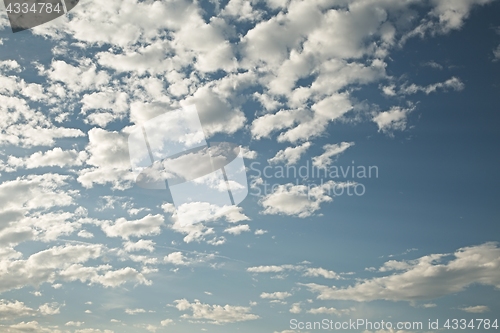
369 135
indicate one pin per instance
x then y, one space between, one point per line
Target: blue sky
408 88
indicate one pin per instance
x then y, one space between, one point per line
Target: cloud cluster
425 278
215 314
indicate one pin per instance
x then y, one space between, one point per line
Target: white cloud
425 278
40 131
269 269
476 309
454 84
216 114
74 323
49 309
10 310
433 64
9 65
191 218
306 271
215 314
445 16
315 272
290 155
25 203
295 308
237 230
109 278
179 259
77 78
496 53
85 234
93 330
148 225
451 14
54 157
265 125
43 265
166 322
299 200
34 326
329 311
109 158
134 311
392 120
140 245
331 150
105 106
176 258
276 295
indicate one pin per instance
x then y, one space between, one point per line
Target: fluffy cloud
315 272
43 265
40 131
140 245
108 278
392 120
299 200
148 225
134 311
215 314
54 157
290 155
176 258
109 160
237 230
26 202
425 278
179 259
276 295
10 310
192 219
33 326
331 150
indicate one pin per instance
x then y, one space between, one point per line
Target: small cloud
237 230
476 309
166 322
392 120
85 234
290 155
134 311
49 309
295 308
432 64
330 311
429 305
74 323
176 258
277 295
